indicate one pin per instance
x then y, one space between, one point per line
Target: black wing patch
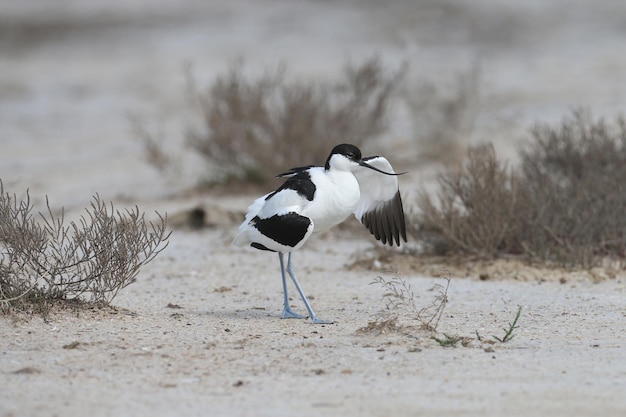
260 246
293 171
387 222
300 181
287 229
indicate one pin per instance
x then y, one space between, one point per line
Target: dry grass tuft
400 301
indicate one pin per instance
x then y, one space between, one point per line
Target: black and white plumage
315 198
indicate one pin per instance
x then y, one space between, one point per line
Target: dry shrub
254 128
473 209
565 202
49 260
574 176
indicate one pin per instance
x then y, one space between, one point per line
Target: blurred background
74 74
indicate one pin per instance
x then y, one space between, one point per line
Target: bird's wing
294 171
380 207
274 222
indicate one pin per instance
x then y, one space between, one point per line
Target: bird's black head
346 157
349 151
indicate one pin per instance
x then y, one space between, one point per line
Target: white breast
336 197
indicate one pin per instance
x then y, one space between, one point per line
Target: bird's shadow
235 314
249 315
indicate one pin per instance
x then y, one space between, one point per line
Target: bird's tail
242 238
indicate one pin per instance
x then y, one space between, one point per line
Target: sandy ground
199 333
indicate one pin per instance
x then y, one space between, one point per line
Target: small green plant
508 332
478 336
448 340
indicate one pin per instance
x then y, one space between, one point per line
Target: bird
313 199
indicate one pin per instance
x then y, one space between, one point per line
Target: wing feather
380 206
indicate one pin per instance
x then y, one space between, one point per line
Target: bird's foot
288 313
317 320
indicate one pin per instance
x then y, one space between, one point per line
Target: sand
199 333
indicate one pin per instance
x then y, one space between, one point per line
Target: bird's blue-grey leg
288 313
314 318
